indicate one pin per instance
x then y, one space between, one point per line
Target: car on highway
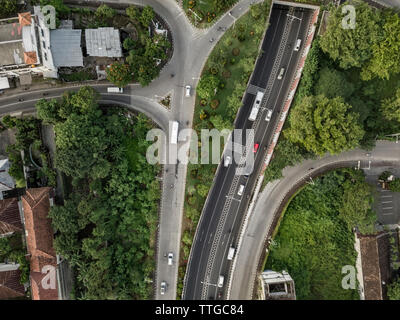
220 281
227 161
170 257
187 94
241 188
256 146
269 114
298 44
231 253
280 75
163 287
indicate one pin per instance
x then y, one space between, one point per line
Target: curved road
271 198
191 49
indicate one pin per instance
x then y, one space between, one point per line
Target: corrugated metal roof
66 47
4 83
103 42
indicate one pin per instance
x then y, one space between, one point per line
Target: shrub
235 51
215 103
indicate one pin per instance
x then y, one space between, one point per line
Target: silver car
163 287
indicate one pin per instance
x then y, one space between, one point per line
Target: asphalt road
384 154
224 209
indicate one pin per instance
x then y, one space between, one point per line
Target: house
10 219
18 45
103 42
6 181
10 286
374 251
59 47
277 286
39 238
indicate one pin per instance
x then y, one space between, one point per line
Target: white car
241 188
269 114
280 75
220 281
187 94
298 44
163 287
227 161
170 256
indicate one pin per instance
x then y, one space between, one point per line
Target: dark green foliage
313 242
393 291
333 83
395 185
146 16
8 8
106 227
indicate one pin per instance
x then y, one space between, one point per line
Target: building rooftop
375 261
10 219
25 18
6 181
103 42
10 286
39 239
66 47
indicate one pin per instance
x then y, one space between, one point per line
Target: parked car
115 90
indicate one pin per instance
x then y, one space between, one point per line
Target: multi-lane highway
223 212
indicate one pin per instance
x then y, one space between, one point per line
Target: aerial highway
223 211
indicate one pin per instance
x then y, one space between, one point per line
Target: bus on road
174 132
256 106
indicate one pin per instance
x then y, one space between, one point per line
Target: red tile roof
36 204
10 286
30 57
25 19
375 265
10 219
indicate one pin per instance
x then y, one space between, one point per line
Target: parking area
387 203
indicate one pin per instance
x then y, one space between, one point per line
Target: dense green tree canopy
393 291
119 74
391 107
207 86
324 125
333 83
352 47
8 8
146 16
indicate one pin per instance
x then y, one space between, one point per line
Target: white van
280 75
115 90
227 161
241 188
269 114
231 253
170 256
220 281
187 94
298 43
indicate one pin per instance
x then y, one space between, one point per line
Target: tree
220 124
256 11
59 5
322 124
202 190
391 107
393 290
356 205
105 12
385 59
146 16
207 87
395 185
332 83
351 47
119 74
133 13
47 110
8 8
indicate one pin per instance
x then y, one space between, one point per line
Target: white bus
256 106
174 132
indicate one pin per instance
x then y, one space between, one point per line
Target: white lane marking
387 208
